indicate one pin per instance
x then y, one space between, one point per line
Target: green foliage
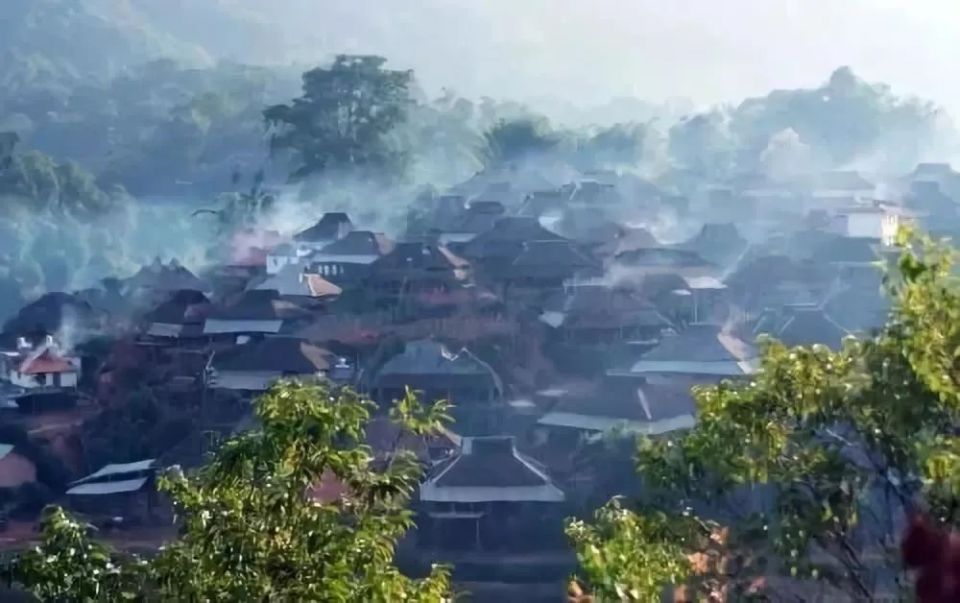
344 118
69 566
814 463
630 556
512 140
250 528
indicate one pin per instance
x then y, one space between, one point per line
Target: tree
250 528
344 118
805 476
511 140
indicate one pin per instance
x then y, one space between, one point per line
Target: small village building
877 221
54 314
293 284
625 405
804 326
42 367
546 265
180 319
497 248
258 364
159 280
717 243
639 263
331 227
15 469
606 315
699 353
430 368
416 267
350 258
125 490
480 216
488 495
256 312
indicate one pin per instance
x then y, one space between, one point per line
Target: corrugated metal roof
118 469
103 488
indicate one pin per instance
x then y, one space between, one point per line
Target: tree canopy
803 477
344 118
251 528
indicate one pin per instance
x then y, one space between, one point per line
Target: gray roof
432 360
360 242
105 488
275 354
811 326
631 402
701 343
260 304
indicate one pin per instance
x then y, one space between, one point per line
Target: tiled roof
329 227
360 242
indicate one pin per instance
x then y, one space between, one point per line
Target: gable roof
506 236
45 362
811 326
636 407
700 349
431 359
416 255
275 354
328 227
542 258
602 307
360 242
489 469
292 281
165 277
259 304
848 250
185 306
662 256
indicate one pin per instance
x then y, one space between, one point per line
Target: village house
295 285
283 255
41 367
801 325
15 469
621 404
876 221
717 243
331 227
638 263
488 495
124 490
479 216
350 258
605 315
256 365
495 249
547 204
178 320
699 353
430 368
413 268
159 280
256 312
52 314
546 265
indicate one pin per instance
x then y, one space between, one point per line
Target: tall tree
252 528
514 139
804 477
344 118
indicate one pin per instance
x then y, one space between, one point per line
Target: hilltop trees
251 529
344 118
804 477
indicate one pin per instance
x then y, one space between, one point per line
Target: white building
870 222
43 366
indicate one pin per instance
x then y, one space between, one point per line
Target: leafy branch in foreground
811 468
251 525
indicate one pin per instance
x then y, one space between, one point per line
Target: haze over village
523 260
